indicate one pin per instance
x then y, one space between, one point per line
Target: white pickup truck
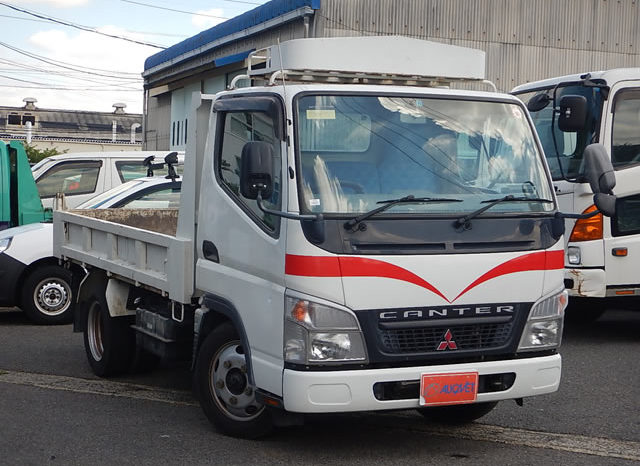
352 235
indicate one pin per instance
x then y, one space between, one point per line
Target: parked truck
352 235
20 203
601 269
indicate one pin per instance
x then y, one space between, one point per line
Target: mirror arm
577 216
279 213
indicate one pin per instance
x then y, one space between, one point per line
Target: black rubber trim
219 305
418 363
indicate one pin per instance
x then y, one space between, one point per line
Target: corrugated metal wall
525 40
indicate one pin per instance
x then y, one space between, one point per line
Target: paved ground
54 411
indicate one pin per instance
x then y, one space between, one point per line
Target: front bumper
587 283
344 391
10 271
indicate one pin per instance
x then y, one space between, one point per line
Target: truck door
241 250
622 242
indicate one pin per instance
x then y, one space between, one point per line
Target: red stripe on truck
347 266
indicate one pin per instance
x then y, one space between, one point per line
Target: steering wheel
356 187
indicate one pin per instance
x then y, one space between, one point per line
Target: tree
35 155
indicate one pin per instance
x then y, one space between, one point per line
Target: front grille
427 339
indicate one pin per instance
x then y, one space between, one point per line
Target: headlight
317 333
4 244
573 255
544 326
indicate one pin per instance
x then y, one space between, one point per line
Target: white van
81 176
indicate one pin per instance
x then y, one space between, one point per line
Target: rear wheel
109 342
48 294
457 414
222 385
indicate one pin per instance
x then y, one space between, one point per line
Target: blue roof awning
261 14
236 57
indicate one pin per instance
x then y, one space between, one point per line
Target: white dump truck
353 235
601 269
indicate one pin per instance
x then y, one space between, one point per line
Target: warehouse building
71 130
524 40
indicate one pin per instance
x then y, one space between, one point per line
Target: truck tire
109 342
48 295
458 414
223 389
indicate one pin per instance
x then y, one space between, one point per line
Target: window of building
28 119
13 119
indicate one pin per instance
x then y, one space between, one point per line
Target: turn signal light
587 229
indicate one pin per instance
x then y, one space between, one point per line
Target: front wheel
48 294
222 386
457 414
109 342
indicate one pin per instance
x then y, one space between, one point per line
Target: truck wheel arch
214 312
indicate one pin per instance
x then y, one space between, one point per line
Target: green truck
19 199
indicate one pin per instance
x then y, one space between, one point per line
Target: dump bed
137 245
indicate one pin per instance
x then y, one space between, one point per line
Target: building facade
72 130
524 40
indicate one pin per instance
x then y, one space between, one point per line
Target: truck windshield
567 159
358 150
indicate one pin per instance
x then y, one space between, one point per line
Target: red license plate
448 388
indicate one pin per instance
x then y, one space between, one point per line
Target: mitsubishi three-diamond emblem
448 342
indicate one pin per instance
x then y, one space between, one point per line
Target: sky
66 67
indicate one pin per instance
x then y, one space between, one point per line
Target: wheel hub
233 392
52 297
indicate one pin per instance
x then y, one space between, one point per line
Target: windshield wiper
350 224
464 221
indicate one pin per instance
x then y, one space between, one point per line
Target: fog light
573 255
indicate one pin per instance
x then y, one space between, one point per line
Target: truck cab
19 200
600 265
353 235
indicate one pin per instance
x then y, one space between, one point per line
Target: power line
58 63
44 84
49 88
78 26
164 34
27 68
174 10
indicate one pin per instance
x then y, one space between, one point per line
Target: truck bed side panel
141 256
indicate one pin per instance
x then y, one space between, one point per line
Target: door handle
210 251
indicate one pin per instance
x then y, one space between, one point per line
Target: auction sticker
448 389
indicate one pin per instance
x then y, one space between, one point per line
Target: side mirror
599 172
256 170
171 159
573 113
538 102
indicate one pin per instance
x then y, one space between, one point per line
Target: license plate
448 389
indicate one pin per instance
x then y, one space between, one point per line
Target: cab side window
69 178
625 140
240 128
